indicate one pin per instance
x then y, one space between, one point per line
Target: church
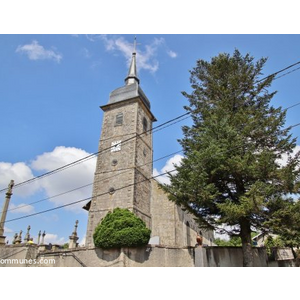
123 178
125 159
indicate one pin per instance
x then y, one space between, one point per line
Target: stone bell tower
125 155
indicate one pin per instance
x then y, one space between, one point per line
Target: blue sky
51 87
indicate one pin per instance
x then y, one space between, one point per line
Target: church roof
126 92
131 89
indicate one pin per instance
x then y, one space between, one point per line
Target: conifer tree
230 174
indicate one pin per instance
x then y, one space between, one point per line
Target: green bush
121 228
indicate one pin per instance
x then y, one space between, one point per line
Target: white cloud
82 241
169 166
35 51
53 239
68 179
21 208
59 183
172 54
92 37
7 230
146 60
86 53
284 159
95 64
18 172
173 161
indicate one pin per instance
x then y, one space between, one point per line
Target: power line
89 184
86 199
289 107
287 73
173 123
154 129
90 198
167 122
280 71
293 126
61 194
152 161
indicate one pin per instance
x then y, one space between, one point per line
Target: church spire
132 73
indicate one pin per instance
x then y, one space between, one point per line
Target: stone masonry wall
174 227
143 163
121 171
148 256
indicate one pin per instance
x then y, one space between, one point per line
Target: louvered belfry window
119 119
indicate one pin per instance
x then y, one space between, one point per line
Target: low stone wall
17 256
149 256
233 257
227 257
124 257
159 257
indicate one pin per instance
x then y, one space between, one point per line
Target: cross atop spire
132 73
134 45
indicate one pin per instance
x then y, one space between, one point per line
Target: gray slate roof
127 92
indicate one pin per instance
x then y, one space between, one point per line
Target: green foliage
121 228
65 246
231 173
284 220
233 242
273 243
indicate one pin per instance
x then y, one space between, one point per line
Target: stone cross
73 238
39 237
43 237
19 238
15 238
27 236
4 212
75 228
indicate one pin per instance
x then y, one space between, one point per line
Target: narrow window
119 119
145 124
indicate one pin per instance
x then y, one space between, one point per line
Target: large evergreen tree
231 174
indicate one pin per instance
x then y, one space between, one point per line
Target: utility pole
4 212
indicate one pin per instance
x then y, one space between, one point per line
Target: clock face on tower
115 146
